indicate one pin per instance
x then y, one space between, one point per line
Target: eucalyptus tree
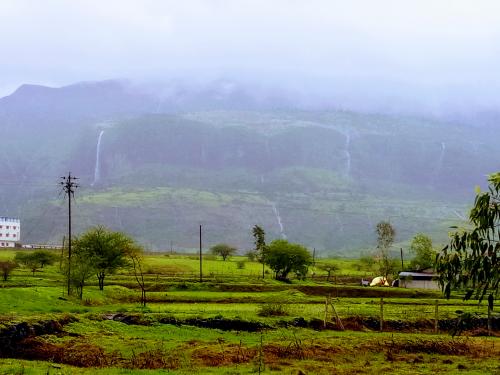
471 260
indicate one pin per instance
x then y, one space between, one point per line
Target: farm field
234 322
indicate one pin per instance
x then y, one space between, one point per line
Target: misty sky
427 52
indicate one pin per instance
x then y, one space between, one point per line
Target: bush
272 309
240 264
6 268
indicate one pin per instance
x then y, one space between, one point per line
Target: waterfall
97 169
347 152
278 218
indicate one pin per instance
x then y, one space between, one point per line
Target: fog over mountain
314 119
417 57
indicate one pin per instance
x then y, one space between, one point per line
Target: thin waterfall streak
97 169
278 219
347 152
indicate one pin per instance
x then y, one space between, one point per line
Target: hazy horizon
429 57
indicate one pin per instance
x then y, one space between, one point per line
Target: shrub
240 264
272 309
6 268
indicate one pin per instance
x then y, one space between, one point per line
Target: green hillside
323 178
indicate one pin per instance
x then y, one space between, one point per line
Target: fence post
381 314
436 316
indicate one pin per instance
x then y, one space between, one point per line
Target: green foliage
284 257
251 255
224 250
259 237
385 238
6 267
471 260
105 249
425 256
35 260
272 309
329 268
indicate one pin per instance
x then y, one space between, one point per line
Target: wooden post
339 322
381 314
436 316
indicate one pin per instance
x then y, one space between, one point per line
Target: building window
7 235
14 235
6 227
14 227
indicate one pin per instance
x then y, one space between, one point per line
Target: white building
10 231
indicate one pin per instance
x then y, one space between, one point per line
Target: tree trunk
100 277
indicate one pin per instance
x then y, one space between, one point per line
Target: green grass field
94 342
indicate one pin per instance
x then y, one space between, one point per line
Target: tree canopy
385 238
103 251
259 237
471 259
425 256
224 250
284 257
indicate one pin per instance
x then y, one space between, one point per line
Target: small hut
419 280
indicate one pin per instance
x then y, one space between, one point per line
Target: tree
35 260
329 268
385 238
6 267
284 257
45 258
260 244
135 255
82 268
425 256
224 250
471 259
106 248
28 260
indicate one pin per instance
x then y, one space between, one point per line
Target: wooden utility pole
201 255
69 185
402 264
314 256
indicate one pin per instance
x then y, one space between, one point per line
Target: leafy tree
82 268
385 238
107 250
425 256
224 250
260 245
35 260
471 259
28 260
329 268
284 257
45 258
6 267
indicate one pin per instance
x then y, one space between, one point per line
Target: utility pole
402 264
201 270
69 185
314 256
